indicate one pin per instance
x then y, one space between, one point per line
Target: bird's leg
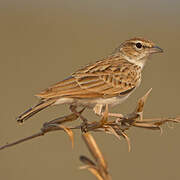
117 115
98 111
85 121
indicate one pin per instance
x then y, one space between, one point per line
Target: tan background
42 42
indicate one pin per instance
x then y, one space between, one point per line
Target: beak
156 49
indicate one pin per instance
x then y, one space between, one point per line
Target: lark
109 81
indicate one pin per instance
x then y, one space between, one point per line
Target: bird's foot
84 127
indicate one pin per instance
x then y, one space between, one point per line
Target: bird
108 81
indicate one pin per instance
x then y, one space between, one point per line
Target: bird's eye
139 45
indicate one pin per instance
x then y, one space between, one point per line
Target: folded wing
102 79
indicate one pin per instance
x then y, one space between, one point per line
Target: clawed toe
84 127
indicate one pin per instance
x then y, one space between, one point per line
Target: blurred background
43 41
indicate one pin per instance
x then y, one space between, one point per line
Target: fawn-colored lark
109 81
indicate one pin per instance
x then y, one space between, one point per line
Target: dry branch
117 127
99 167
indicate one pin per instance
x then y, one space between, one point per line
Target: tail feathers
33 110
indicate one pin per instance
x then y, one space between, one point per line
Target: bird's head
137 50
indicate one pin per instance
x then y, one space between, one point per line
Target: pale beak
156 49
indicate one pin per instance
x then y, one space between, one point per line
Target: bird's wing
66 88
106 78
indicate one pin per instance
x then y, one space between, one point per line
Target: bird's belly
112 101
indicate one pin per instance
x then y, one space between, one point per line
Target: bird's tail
35 109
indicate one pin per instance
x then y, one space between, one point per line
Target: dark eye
139 45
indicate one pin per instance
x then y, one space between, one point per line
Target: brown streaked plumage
108 81
105 78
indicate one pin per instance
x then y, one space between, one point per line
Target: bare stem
117 127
